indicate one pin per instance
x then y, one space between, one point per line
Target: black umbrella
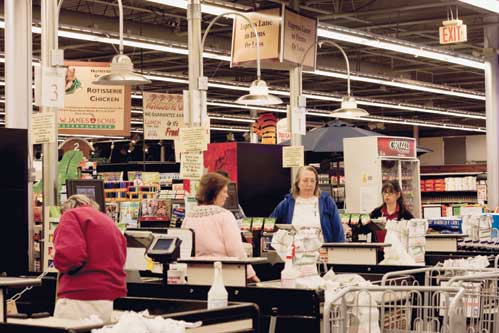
328 140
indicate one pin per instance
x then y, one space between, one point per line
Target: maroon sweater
90 254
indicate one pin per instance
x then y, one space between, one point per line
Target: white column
50 153
295 89
195 58
491 44
18 81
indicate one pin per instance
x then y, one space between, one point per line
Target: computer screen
162 244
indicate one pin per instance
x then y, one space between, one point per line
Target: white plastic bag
396 254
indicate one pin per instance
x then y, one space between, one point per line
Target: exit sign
453 31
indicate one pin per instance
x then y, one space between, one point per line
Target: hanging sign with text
194 139
43 127
392 146
453 31
163 116
191 165
285 37
293 156
91 109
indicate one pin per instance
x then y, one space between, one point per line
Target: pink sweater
216 233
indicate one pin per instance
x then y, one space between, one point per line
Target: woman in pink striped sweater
215 228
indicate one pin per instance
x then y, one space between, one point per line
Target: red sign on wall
396 147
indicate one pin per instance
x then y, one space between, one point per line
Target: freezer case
371 161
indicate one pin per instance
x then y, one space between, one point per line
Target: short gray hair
78 200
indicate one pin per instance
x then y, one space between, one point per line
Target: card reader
164 248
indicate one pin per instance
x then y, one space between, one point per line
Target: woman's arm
280 212
232 240
337 227
70 245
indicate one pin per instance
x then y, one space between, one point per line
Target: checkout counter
252 307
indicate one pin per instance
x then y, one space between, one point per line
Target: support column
50 153
195 59
295 89
253 135
491 44
415 133
18 82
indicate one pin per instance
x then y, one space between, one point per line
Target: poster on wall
91 109
163 116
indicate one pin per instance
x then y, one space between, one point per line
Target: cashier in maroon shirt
393 208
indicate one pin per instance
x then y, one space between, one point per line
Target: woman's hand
254 278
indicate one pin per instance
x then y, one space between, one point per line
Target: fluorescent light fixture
327 114
228 129
368 102
234 119
92 136
431 88
379 42
490 5
208 9
372 40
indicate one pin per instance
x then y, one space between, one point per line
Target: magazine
155 210
129 213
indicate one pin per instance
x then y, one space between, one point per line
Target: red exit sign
453 32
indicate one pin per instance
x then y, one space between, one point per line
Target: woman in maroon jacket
90 254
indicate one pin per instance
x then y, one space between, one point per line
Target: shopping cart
481 297
393 309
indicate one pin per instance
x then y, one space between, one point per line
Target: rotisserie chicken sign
91 109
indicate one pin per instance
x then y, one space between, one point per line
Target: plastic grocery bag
396 254
142 322
363 314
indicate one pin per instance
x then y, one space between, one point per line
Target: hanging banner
163 115
284 36
93 109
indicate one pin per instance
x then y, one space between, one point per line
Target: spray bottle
217 295
289 274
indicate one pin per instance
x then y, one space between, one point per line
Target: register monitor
164 248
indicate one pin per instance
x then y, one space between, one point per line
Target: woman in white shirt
307 206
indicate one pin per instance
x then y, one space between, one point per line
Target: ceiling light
349 109
94 136
228 118
420 86
259 95
121 66
370 118
229 129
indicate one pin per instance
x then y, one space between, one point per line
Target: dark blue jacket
330 218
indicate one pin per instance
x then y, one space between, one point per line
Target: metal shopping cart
481 297
393 309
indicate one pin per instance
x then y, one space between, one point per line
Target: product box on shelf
446 224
